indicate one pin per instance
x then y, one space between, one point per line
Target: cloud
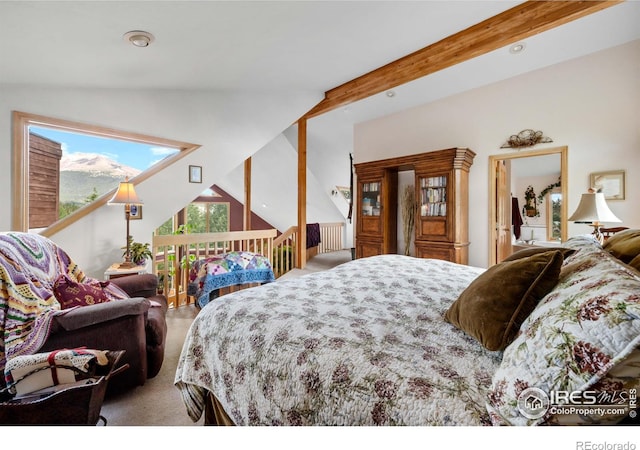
162 151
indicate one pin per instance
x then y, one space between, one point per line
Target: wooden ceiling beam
524 20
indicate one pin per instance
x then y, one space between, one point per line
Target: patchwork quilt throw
208 275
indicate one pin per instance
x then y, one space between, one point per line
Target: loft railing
176 253
331 237
284 252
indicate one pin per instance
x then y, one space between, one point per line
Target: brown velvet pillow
70 293
566 252
635 263
492 308
624 245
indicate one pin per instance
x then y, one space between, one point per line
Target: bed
383 341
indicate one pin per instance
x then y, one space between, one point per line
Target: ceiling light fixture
139 38
391 94
517 48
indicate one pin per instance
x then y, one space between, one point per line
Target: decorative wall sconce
526 138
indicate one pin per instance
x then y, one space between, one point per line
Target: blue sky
136 155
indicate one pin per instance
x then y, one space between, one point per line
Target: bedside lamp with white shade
593 210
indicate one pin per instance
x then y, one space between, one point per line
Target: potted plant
161 284
530 209
139 252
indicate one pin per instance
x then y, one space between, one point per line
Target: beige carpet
158 402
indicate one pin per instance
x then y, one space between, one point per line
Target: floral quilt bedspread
364 343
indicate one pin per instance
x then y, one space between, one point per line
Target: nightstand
114 271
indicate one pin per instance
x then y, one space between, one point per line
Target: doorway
501 214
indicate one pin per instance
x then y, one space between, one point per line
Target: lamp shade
593 208
125 195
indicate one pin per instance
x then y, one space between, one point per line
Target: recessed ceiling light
139 38
391 94
517 48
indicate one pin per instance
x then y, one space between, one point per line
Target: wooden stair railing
284 251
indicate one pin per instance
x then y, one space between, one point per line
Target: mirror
528 183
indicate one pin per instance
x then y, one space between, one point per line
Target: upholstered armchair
136 325
35 318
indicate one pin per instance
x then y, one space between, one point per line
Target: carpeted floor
158 402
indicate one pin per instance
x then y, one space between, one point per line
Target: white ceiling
278 46
220 44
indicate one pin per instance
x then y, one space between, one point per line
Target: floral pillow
587 326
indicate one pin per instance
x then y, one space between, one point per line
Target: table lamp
126 195
593 210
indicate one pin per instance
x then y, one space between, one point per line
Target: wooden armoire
442 197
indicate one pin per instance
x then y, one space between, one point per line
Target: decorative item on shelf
409 207
526 138
610 183
593 210
126 195
548 189
195 174
530 209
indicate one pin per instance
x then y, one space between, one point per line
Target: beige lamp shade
593 209
125 195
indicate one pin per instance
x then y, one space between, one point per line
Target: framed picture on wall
195 174
610 183
135 212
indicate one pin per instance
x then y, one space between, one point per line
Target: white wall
229 126
590 104
274 178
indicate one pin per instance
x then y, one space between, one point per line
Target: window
199 217
554 215
38 181
206 217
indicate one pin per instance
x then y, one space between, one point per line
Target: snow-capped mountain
96 164
84 175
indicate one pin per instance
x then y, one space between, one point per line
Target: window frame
20 200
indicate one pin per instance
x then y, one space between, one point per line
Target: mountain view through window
89 167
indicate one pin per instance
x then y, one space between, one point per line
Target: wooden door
503 213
